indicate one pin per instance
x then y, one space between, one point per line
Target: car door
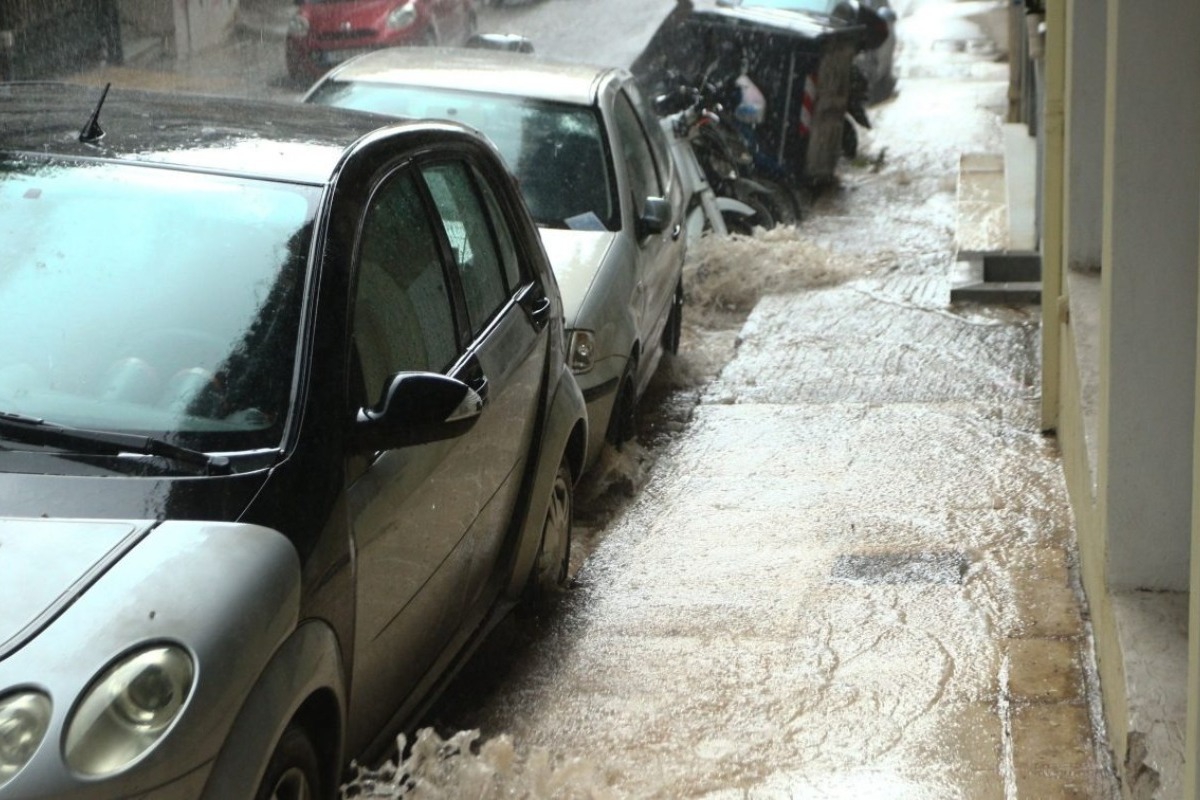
506 314
413 509
660 256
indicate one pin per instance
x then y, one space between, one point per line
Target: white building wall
1151 238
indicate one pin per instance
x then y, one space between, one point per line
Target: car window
635 148
152 301
514 274
470 231
556 150
659 145
403 318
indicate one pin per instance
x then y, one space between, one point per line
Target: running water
723 280
463 768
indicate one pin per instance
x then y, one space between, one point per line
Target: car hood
46 563
577 257
359 14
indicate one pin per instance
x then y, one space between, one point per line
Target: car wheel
551 569
294 771
622 423
674 330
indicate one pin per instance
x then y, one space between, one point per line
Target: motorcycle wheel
758 200
784 209
741 224
849 139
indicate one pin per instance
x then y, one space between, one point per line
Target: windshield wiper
35 431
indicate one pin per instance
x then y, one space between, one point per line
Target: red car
327 32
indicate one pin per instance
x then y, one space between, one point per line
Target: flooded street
840 561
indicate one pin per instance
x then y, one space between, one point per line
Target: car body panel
625 294
266 575
229 592
332 32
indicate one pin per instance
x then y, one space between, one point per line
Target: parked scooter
709 210
725 157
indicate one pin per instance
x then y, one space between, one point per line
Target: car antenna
92 132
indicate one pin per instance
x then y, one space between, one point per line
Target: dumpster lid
776 21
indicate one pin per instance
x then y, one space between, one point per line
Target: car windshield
556 150
149 300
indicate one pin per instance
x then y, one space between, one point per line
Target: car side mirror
417 408
655 217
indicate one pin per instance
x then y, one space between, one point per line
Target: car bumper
312 58
599 388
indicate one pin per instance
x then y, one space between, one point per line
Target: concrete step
1009 293
996 236
1008 278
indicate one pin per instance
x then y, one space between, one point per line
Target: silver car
595 169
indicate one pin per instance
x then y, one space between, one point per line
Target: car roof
280 141
480 70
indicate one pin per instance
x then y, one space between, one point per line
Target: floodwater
839 561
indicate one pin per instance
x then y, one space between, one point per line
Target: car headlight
402 17
581 354
24 718
298 25
128 709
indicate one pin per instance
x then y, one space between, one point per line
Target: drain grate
945 567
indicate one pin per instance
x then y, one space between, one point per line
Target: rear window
557 151
150 300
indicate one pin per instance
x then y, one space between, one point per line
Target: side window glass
403 318
470 231
508 249
654 132
636 150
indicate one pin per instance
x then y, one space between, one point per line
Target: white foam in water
463 768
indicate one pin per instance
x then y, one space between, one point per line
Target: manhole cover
946 567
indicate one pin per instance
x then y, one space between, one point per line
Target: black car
285 426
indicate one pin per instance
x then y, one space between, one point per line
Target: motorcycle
708 211
725 157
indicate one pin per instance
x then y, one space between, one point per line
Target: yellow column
1053 172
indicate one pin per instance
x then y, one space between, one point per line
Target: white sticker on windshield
587 221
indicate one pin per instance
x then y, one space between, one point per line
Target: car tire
294 771
673 332
622 422
551 570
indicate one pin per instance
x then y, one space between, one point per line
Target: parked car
594 167
285 425
877 60
323 33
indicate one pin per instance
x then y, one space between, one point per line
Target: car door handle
537 306
475 378
480 386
